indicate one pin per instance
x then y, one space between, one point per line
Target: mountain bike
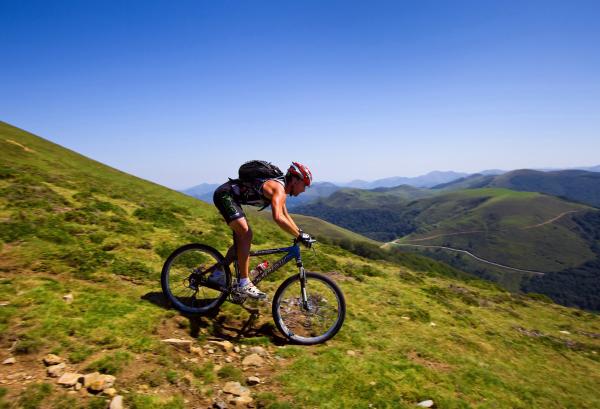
308 308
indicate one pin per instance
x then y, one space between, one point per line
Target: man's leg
243 240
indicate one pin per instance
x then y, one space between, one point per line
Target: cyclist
229 197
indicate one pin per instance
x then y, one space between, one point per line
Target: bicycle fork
302 274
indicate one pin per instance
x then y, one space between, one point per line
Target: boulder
101 383
226 346
241 401
259 350
253 360
54 371
183 344
111 392
116 402
252 380
234 388
69 379
52 359
89 378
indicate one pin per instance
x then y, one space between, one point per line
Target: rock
405 318
219 404
183 344
241 401
110 392
210 351
236 349
226 346
234 388
350 352
565 332
259 350
52 359
426 404
228 359
69 379
54 371
9 361
101 383
372 383
78 386
252 380
253 360
116 402
197 351
433 324
68 298
89 378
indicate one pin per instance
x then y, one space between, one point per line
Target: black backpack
258 169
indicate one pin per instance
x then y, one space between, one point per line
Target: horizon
181 95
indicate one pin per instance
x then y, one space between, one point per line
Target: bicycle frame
292 252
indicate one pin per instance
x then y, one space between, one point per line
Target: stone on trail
258 350
116 402
52 359
54 371
253 360
183 344
89 378
226 346
9 361
111 392
219 404
241 401
69 379
426 404
252 380
234 388
101 383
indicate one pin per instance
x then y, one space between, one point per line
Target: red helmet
298 169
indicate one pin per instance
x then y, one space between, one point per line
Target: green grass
76 226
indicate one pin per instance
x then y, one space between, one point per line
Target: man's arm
281 216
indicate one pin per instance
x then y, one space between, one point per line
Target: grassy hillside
574 185
82 247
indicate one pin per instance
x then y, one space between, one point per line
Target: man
273 191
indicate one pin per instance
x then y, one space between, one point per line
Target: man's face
298 187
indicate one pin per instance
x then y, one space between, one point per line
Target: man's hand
304 238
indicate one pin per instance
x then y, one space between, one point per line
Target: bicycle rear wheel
315 323
184 279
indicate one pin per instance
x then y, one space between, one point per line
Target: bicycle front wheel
316 321
184 279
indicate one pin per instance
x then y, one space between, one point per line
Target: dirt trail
533 226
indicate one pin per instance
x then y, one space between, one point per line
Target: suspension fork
302 274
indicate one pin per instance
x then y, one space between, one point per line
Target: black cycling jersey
229 197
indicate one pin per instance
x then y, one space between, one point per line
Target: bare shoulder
273 188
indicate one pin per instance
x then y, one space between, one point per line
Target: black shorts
225 201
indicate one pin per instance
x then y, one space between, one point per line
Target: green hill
524 230
574 185
82 245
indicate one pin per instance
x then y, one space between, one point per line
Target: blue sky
183 92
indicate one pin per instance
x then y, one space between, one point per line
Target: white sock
244 282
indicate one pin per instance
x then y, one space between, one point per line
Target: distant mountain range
532 220
435 179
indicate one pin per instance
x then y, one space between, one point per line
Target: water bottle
258 269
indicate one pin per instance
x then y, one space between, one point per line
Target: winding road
481 231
